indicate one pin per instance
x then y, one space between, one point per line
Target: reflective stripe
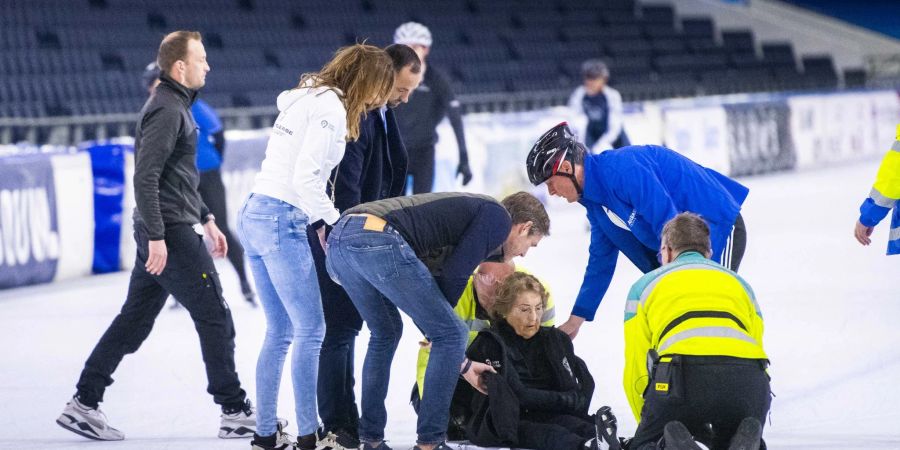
881 199
549 314
716 332
896 146
478 324
895 234
631 307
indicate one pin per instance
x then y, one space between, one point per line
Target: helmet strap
571 176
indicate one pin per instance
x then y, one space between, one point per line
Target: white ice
831 308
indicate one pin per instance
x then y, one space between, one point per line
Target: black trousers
737 244
546 431
421 168
717 390
337 402
212 191
191 278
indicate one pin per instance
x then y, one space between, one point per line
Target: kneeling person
699 326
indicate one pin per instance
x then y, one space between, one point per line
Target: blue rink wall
66 212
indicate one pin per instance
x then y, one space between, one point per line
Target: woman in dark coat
540 395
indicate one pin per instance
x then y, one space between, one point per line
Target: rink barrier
65 214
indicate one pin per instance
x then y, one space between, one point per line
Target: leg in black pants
191 278
554 431
337 402
421 167
720 394
213 193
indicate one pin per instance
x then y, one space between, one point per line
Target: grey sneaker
88 422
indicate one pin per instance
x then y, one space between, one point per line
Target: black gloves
463 169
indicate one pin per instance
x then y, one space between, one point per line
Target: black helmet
151 73
553 147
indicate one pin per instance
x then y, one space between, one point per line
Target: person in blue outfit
210 153
629 194
602 105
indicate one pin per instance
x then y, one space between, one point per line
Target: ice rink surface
831 309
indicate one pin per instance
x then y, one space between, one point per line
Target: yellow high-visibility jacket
692 306
465 309
884 196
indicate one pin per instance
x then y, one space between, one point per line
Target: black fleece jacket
165 153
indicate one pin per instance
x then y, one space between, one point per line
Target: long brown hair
361 72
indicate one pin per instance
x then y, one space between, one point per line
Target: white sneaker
242 423
88 422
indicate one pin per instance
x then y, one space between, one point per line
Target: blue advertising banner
108 165
29 232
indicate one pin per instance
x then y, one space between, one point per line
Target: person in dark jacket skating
419 119
373 168
171 255
210 154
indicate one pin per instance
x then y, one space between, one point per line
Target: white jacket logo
325 124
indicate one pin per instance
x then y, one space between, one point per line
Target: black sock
307 442
267 441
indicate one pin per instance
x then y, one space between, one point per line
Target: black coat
374 166
511 397
165 153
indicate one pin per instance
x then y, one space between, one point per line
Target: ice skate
605 428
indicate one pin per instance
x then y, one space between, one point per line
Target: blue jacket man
373 168
882 200
629 194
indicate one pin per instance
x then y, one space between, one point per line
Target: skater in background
210 154
308 140
882 199
473 308
415 254
602 106
541 393
629 194
171 255
419 118
699 328
373 167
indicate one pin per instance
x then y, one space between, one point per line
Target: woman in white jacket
307 143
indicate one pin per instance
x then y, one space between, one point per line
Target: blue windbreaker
208 123
630 193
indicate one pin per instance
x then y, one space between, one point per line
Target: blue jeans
381 273
274 237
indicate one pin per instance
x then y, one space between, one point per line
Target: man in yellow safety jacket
882 199
473 306
694 359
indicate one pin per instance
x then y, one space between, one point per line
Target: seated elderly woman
540 394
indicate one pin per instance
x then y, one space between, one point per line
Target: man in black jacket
171 255
373 168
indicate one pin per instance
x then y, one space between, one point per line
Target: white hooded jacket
306 144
